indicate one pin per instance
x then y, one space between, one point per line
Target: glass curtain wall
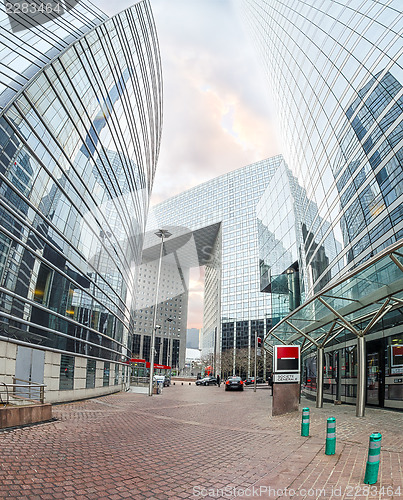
79 141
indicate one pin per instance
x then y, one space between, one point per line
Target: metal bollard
182 383
374 452
305 422
331 436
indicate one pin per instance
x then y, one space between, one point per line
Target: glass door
375 377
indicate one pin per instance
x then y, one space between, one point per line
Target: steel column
319 378
361 381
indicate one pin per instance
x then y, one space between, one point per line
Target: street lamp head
163 233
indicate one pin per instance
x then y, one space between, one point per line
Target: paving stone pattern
197 442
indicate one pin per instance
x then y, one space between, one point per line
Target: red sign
397 355
286 359
288 352
147 364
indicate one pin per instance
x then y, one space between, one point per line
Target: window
91 373
43 284
106 373
66 373
116 374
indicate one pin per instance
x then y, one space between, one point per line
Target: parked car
251 380
234 384
207 381
166 381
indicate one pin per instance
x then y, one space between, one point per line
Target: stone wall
51 375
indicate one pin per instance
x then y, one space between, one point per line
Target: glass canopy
352 305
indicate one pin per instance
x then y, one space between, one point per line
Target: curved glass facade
79 141
26 47
335 70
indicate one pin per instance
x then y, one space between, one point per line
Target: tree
227 361
241 362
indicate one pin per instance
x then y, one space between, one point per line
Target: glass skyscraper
335 72
80 127
214 225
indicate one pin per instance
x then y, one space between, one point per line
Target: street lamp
161 233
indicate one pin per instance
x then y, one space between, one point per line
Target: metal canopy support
396 261
275 336
346 322
380 313
339 297
302 333
329 332
361 385
334 336
319 378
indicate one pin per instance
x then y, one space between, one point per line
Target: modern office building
170 317
80 126
335 71
214 225
192 338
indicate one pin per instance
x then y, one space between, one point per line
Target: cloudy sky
217 110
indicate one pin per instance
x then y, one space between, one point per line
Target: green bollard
331 436
374 452
305 422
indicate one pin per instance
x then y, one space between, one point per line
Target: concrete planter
22 415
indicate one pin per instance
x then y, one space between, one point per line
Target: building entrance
375 373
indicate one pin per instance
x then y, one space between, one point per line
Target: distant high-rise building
171 315
192 338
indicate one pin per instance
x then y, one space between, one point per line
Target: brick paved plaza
196 442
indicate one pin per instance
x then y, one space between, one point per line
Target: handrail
34 391
2 401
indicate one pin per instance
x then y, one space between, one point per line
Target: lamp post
169 345
161 233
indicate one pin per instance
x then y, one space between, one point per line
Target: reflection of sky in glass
25 52
86 175
322 59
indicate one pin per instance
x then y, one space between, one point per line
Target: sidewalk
197 442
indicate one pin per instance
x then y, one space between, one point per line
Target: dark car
234 384
207 381
251 380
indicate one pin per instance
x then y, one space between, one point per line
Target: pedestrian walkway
197 442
